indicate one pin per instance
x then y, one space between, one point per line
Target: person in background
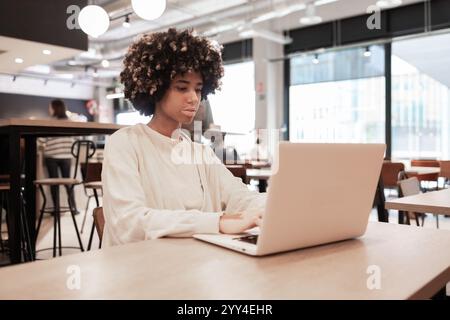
226 154
148 192
57 152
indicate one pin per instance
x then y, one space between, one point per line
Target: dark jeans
64 167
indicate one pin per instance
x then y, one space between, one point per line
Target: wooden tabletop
437 202
423 170
57 123
263 174
412 263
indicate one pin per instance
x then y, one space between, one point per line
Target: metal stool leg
85 213
58 217
1 214
75 222
41 189
54 235
91 235
29 256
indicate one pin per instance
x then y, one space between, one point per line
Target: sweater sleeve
127 217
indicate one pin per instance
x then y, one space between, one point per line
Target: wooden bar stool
27 251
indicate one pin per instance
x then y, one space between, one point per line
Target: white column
105 106
268 84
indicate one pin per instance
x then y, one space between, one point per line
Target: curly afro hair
154 60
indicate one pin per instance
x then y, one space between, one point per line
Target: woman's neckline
181 135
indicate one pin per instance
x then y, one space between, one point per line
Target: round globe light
93 20
149 10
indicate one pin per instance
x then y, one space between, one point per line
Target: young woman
148 193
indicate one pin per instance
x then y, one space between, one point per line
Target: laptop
318 194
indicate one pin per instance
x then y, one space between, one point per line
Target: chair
25 238
445 171
390 174
92 181
80 149
239 171
409 187
430 177
4 189
99 221
424 163
92 176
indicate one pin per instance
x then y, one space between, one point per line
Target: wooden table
437 202
14 130
262 175
423 170
414 263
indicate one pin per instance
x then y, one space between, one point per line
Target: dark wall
239 50
395 22
41 21
25 106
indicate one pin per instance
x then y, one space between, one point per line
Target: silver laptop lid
319 193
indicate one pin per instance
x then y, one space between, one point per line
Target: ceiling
31 53
219 19
430 55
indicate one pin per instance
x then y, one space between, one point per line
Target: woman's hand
239 222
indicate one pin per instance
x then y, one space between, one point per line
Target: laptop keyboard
250 239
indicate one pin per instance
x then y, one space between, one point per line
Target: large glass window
338 96
233 107
421 98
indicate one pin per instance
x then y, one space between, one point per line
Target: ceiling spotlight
72 84
18 60
14 78
316 59
126 23
367 52
149 10
45 82
311 17
388 3
46 52
95 74
93 20
105 63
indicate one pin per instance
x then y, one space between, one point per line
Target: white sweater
150 192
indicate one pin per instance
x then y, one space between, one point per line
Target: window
338 96
421 98
233 107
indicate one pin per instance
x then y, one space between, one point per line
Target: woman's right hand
239 222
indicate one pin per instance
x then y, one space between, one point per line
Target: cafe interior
301 71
